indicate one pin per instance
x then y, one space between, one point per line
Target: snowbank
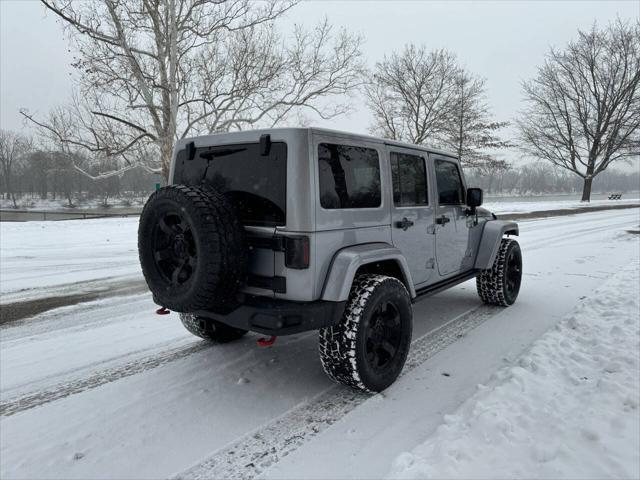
567 409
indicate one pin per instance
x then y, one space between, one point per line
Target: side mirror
474 198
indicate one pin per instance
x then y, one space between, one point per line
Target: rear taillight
296 252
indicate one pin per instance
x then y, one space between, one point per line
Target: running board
445 284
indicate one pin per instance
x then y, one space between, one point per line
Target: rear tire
209 329
500 284
368 347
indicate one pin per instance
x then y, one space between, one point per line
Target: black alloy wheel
513 273
383 336
174 250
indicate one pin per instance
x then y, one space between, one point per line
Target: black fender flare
492 233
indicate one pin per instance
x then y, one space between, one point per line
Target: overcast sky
503 41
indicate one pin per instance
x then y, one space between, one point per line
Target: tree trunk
166 152
586 190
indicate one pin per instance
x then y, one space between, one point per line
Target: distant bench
615 196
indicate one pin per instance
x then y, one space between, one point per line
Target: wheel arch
492 233
380 258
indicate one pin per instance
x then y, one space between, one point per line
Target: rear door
255 185
451 222
411 212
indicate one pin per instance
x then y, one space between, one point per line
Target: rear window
254 184
349 176
409 180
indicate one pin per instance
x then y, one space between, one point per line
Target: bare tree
153 71
410 94
583 107
13 147
469 130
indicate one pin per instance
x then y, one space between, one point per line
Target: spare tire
192 249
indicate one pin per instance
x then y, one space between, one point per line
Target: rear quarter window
349 176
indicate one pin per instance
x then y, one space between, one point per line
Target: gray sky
503 41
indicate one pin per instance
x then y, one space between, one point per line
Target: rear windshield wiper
221 153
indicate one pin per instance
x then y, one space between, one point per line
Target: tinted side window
409 180
450 190
349 176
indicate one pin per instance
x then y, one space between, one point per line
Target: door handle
404 223
442 220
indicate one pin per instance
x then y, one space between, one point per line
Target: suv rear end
269 178
266 175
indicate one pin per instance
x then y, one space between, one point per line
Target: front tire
209 329
368 347
500 284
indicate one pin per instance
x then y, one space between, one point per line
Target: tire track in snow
262 448
539 244
32 400
64 389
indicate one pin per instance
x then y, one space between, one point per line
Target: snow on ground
567 408
31 354
43 258
565 260
107 389
533 204
62 204
508 204
38 257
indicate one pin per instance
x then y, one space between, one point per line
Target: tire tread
337 344
491 282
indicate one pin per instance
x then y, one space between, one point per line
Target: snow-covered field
62 203
107 389
540 205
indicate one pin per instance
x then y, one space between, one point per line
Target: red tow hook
163 311
267 342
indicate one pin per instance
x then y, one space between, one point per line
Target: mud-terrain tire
192 249
210 329
500 284
368 347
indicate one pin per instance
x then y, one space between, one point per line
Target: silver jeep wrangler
281 231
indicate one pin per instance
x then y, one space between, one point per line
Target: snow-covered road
40 259
108 389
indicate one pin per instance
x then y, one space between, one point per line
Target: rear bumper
272 316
